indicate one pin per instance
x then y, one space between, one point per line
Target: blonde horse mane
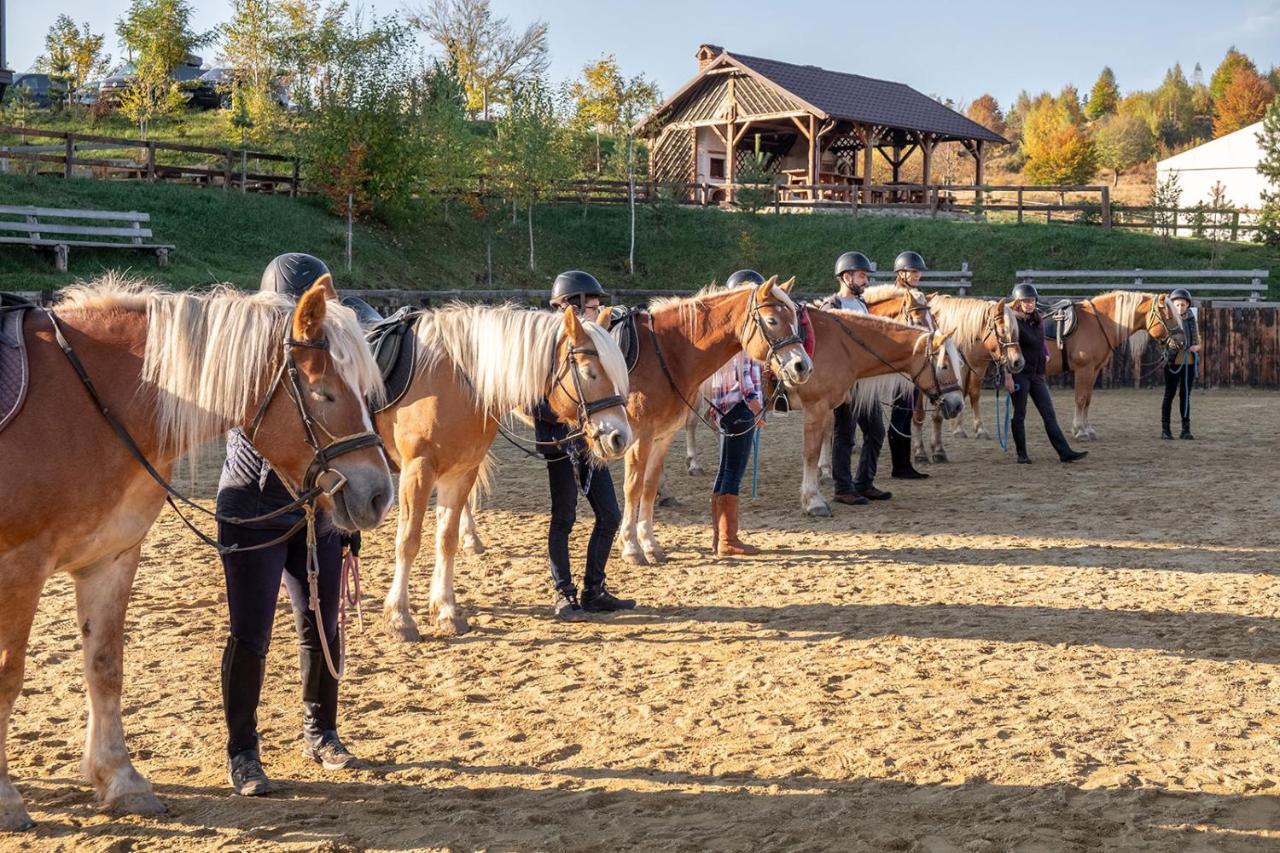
506 353
965 318
689 306
1126 304
210 355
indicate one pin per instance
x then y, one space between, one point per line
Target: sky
948 49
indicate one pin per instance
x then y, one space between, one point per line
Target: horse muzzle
952 404
797 369
612 440
364 497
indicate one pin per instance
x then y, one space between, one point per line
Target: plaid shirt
737 381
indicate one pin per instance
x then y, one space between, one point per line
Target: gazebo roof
850 97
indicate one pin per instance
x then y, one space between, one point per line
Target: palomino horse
682 341
882 356
1103 324
985 333
174 371
477 364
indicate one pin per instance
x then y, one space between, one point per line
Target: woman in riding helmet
737 400
568 471
907 268
249 488
1180 371
1030 381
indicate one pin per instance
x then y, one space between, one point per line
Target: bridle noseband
754 323
1168 341
1004 344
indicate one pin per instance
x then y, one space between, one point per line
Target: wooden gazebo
815 128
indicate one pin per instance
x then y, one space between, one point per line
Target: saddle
1059 319
622 325
395 348
14 370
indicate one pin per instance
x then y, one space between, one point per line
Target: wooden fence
153 161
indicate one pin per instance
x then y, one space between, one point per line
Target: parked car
214 87
87 95
40 90
115 84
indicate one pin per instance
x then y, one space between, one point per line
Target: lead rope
313 590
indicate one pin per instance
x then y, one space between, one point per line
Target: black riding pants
869 420
1178 380
564 476
1034 386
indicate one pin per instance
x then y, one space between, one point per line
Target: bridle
753 323
1004 344
1155 314
586 408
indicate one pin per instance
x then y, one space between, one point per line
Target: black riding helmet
292 273
744 277
365 313
1180 293
573 285
852 262
1025 291
909 261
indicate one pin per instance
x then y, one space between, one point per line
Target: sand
1000 658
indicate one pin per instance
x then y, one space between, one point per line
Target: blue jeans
735 448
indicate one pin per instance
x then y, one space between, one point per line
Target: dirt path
1000 658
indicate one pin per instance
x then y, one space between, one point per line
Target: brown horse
176 370
985 332
477 364
881 356
1103 324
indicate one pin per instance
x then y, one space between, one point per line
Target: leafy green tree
1268 222
73 54
158 35
1166 196
1123 141
250 47
1104 96
1069 104
1173 112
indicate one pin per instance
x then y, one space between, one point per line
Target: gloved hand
350 543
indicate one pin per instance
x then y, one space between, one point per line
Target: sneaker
602 601
851 499
329 753
245 773
567 608
871 493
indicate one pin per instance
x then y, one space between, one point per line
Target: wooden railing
146 161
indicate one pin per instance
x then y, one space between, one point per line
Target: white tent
1231 160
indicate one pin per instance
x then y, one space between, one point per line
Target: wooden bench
31 226
961 280
1215 284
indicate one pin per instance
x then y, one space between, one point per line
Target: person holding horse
853 273
737 399
1030 381
907 268
569 471
249 488
1180 370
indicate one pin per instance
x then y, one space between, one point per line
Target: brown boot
730 544
715 523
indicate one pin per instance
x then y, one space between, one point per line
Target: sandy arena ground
1001 658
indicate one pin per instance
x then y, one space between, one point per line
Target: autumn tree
73 53
1244 102
1231 63
985 110
1123 141
1057 148
491 59
1268 222
1103 97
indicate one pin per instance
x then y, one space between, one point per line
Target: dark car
115 84
214 87
39 90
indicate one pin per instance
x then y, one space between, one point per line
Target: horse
119 362
1103 324
985 333
876 357
474 365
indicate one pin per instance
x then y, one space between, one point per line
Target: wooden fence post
226 171
293 193
777 199
1235 225
68 166
1019 204
151 161
1106 207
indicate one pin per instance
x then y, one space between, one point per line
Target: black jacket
547 428
1031 338
248 487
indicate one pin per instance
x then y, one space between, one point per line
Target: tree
71 53
1268 221
1069 103
602 98
250 47
1231 63
1104 96
1173 113
1243 103
1166 196
985 110
1123 141
1066 155
157 34
489 57
530 155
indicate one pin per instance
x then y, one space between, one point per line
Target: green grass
192 127
226 236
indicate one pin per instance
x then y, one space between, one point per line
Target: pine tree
1269 167
1103 97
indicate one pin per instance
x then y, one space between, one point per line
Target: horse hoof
959 433
15 819
656 557
982 433
922 457
940 457
1091 435
474 547
825 480
695 470
635 559
669 500
819 511
400 627
453 626
142 803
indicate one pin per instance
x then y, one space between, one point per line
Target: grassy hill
226 236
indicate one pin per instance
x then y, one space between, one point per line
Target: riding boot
730 545
1186 429
243 671
319 698
900 453
715 523
1165 432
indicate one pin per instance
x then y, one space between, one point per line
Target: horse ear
1000 306
788 284
308 317
604 319
767 288
572 325
325 282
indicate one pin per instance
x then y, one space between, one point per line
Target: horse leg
451 497
1084 413
1084 390
22 586
939 452
471 542
633 488
817 427
691 445
824 459
665 498
653 477
917 431
416 479
102 595
974 389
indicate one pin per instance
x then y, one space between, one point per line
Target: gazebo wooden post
729 164
693 173
927 143
868 144
979 155
813 154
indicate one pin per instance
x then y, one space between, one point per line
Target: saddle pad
13 365
395 348
622 325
